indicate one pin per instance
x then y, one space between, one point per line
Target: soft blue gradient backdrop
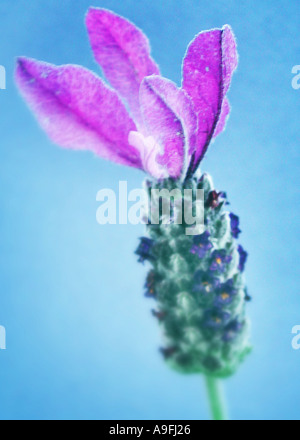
81 342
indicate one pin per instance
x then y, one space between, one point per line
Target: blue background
81 342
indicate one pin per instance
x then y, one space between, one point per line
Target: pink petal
123 52
225 110
77 110
207 70
229 57
170 120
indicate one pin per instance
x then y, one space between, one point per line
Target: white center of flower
149 149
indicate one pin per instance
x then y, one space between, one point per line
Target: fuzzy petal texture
77 110
170 119
225 110
123 52
229 57
208 66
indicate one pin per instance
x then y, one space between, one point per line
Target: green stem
216 398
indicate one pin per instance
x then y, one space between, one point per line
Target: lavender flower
201 244
145 121
225 293
220 260
205 283
234 222
144 251
243 258
216 318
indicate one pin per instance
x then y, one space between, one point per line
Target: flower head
166 130
145 121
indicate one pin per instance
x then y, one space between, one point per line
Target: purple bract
166 130
201 244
